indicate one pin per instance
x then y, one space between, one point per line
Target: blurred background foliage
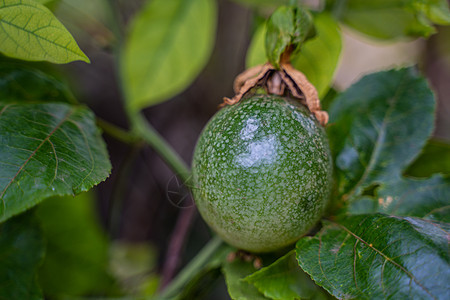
118 237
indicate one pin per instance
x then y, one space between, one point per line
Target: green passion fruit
262 172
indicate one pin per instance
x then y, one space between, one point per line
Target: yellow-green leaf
284 279
29 31
169 44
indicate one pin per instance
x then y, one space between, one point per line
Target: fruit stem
195 266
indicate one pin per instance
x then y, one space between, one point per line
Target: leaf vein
31 155
400 267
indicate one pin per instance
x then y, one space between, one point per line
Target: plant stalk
144 130
117 132
195 265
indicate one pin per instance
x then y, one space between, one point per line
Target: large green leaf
378 126
239 289
77 248
285 280
426 198
23 84
169 44
318 57
379 257
47 150
387 19
29 31
21 252
434 158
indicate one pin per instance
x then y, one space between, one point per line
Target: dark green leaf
288 27
29 31
435 158
394 18
378 126
21 252
47 150
426 198
379 257
284 280
77 249
238 288
169 44
317 58
19 83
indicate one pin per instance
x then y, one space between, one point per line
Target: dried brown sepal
308 90
240 80
257 263
245 256
295 91
275 81
249 84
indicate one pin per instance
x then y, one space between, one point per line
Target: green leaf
435 158
77 248
318 57
256 53
425 198
29 31
24 84
263 3
288 27
169 44
47 150
21 252
378 126
436 10
393 18
379 257
238 288
44 2
285 280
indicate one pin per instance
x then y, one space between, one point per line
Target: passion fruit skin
262 173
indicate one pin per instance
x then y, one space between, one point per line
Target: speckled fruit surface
262 173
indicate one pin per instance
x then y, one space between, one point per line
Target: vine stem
186 217
195 266
144 130
117 132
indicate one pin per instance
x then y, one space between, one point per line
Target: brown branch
176 245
